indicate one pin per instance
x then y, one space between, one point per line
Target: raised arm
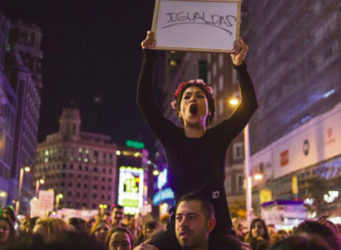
159 125
248 105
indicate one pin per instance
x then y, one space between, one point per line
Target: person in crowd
164 220
258 234
100 229
297 242
67 240
271 232
8 212
280 235
148 230
194 221
134 225
49 228
7 232
117 216
324 220
119 238
78 223
195 153
313 228
27 225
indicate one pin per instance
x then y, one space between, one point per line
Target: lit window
173 63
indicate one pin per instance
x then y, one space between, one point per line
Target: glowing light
173 63
60 196
331 196
42 181
156 172
135 144
162 179
3 194
103 206
309 201
258 177
234 101
118 152
27 169
329 93
165 194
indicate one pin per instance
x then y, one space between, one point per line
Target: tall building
294 59
295 62
23 70
8 112
223 77
80 165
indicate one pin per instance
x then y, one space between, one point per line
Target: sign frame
160 46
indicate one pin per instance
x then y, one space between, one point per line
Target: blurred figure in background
164 221
117 216
134 225
49 228
280 235
258 236
301 243
7 232
148 230
119 238
78 224
100 229
271 232
314 228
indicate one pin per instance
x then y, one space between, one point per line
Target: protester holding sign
196 154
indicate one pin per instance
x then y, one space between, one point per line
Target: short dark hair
302 243
206 205
151 225
118 207
311 227
210 100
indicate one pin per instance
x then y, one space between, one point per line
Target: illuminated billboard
130 189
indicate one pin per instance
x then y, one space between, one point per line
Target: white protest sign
46 198
194 25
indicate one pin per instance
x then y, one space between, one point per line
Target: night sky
92 57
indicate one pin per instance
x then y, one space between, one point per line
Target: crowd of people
194 222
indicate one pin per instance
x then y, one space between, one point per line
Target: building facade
23 70
80 165
8 113
294 59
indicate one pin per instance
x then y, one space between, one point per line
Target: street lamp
58 197
102 208
234 101
38 182
21 178
258 177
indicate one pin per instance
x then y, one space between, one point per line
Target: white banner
316 141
